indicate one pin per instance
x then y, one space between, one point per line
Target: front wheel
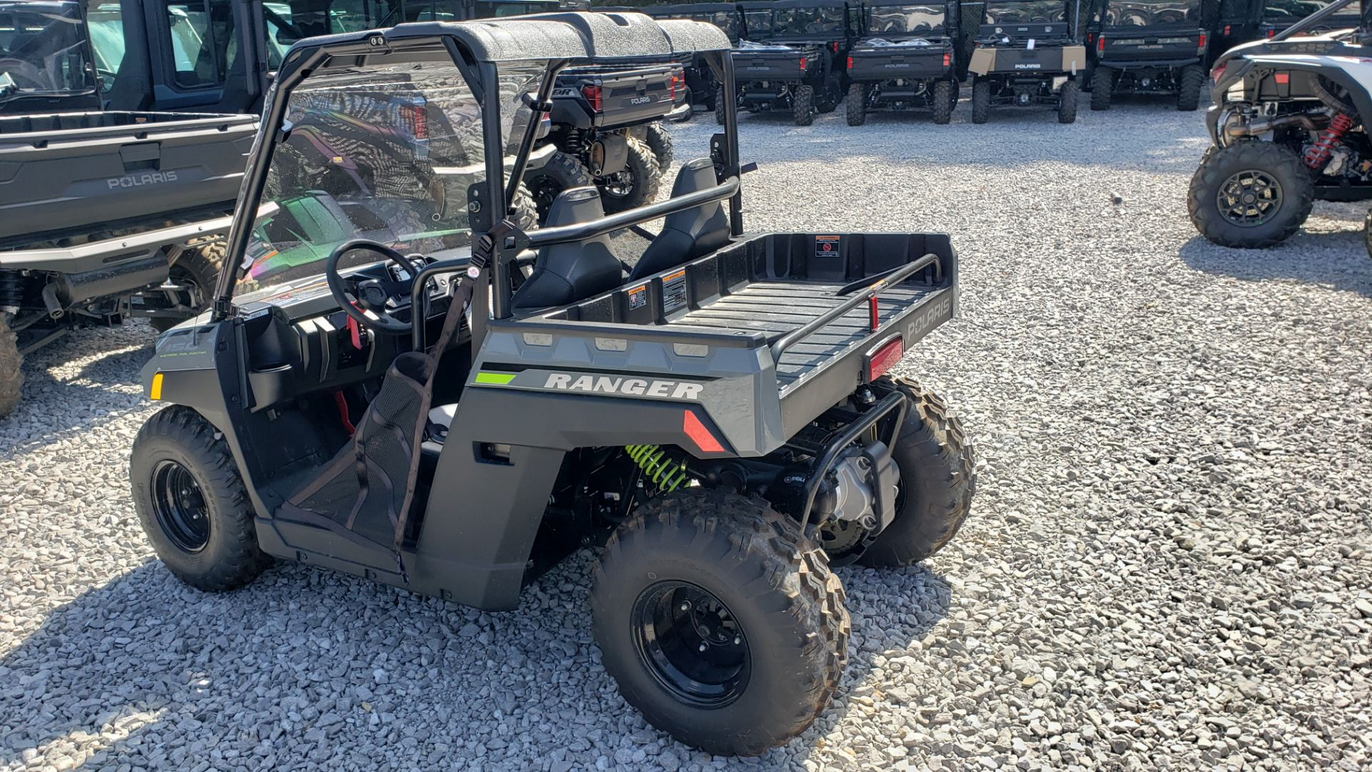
803 105
192 503
720 621
1189 85
857 104
1250 195
937 479
1067 103
981 100
944 100
11 376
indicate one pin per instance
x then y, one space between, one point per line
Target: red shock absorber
1317 154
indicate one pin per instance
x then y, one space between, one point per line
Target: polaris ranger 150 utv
1244 21
701 87
456 411
790 57
1148 47
1027 53
907 59
1288 127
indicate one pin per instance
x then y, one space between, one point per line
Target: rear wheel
944 99
1366 238
1102 83
659 140
562 172
857 104
196 267
803 105
981 100
11 376
1189 84
192 503
937 479
1067 103
635 185
720 621
1250 195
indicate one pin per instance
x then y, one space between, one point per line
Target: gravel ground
1168 564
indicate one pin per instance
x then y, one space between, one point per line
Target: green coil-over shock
659 470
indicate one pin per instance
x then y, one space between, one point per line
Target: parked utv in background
1289 127
701 85
791 57
1244 21
1148 47
1027 53
907 58
720 417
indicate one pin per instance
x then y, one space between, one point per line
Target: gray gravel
1167 565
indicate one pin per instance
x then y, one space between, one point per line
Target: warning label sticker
673 291
638 297
827 246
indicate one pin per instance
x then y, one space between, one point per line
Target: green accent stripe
495 379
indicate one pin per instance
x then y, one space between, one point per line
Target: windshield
1152 13
384 153
43 50
1291 11
905 19
809 21
758 23
1025 11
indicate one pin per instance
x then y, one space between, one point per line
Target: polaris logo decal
922 324
642 100
139 180
633 387
1029 66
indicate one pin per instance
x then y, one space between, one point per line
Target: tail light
1217 71
1100 44
833 47
850 62
884 357
1282 78
804 62
414 117
675 81
592 94
947 60
1228 30
1200 44
1271 33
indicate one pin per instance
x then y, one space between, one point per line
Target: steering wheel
372 293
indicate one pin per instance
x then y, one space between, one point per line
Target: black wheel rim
691 643
1249 198
179 506
544 191
618 185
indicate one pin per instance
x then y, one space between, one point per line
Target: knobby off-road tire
11 376
1067 103
1366 238
1264 161
659 140
197 265
774 582
719 106
1189 84
184 476
937 479
981 100
857 104
562 172
640 185
803 105
1102 86
944 100
828 100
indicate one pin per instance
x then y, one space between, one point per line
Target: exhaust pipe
1236 127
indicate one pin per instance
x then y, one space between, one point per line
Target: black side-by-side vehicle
439 399
908 58
1028 52
1148 47
791 57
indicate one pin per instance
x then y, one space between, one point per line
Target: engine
1324 130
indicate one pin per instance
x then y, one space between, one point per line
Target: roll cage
478 49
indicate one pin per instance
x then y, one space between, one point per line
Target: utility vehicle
1244 21
458 411
1027 53
701 86
1148 47
908 58
791 57
1287 127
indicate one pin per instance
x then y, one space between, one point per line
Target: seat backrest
690 233
566 273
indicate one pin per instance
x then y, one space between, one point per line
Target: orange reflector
883 359
699 434
155 390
